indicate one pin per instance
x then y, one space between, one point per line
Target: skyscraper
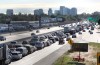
41 11
38 12
9 12
62 10
73 11
50 12
57 12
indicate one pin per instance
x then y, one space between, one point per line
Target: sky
27 6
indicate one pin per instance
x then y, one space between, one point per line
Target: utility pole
40 21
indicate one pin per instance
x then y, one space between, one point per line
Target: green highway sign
93 19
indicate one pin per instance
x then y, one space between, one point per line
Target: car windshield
41 39
34 39
19 50
14 53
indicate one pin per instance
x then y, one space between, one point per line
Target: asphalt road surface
54 51
28 34
49 54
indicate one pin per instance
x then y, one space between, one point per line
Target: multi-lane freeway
28 34
48 55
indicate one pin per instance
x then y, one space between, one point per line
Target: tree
99 23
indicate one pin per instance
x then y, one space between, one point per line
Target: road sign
98 58
70 41
81 47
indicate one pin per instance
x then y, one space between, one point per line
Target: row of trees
24 17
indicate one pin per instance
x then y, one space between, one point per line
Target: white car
16 55
23 50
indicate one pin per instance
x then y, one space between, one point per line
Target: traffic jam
14 51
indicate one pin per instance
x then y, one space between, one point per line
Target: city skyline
88 6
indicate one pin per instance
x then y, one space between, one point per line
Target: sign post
98 58
70 41
79 47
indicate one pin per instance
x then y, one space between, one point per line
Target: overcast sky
87 6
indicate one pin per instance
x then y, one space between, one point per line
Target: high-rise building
73 11
67 11
38 12
62 10
41 11
57 12
9 12
50 12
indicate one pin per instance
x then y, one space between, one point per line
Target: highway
28 34
48 55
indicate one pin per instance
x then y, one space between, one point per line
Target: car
91 32
50 41
18 45
61 41
74 36
42 40
37 31
39 45
25 42
32 34
2 38
56 38
48 28
23 50
79 32
52 38
30 48
36 42
72 31
12 44
87 27
83 30
92 28
68 34
16 55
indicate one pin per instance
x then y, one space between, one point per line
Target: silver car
16 55
23 50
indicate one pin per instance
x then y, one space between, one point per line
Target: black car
61 41
91 32
2 38
92 28
32 34
74 36
68 34
84 30
37 31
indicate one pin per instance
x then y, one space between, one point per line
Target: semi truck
5 56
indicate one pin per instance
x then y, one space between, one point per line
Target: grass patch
97 45
63 60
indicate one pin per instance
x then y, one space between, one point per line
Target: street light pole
40 21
